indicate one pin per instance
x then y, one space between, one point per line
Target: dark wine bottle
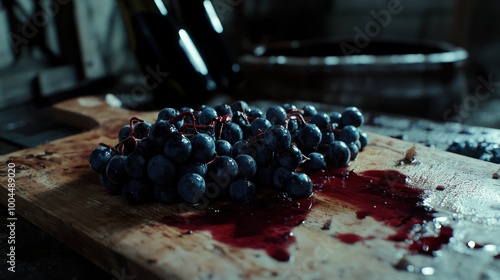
175 72
200 18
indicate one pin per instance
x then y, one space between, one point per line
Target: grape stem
294 115
244 116
222 120
305 159
193 124
120 146
185 125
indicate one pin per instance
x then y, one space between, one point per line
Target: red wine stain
264 223
351 238
430 244
267 222
478 246
387 197
440 188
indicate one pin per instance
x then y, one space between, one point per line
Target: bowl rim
450 54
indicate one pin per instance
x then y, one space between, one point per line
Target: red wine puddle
264 223
387 197
267 223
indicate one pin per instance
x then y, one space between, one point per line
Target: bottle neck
130 8
139 6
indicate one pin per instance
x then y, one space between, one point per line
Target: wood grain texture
57 191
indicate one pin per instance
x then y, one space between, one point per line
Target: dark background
82 48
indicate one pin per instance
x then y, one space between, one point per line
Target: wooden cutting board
57 191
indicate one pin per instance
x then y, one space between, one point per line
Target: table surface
39 256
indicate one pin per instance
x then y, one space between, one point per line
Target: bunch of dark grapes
479 149
226 151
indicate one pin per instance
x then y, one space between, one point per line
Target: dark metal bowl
421 78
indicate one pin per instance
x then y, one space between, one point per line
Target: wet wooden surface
60 194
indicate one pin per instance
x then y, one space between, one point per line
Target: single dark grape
141 130
99 158
203 147
207 116
259 125
223 109
327 138
231 132
338 154
352 116
277 138
191 188
354 150
321 120
242 147
293 126
309 110
299 185
186 109
240 106
335 118
160 169
363 140
223 148
124 132
276 115
316 161
289 107
247 167
178 148
241 190
255 113
160 132
224 169
202 107
349 134
167 114
308 137
136 164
